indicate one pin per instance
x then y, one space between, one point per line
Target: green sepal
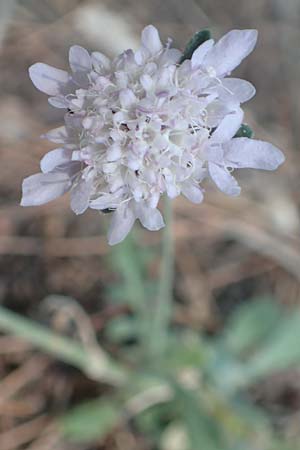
244 131
194 43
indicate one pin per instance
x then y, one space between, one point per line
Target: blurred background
228 251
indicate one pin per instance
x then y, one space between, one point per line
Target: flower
143 125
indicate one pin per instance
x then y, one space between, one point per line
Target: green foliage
250 325
244 131
198 393
194 43
92 420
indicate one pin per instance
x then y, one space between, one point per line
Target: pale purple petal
150 218
55 158
57 135
200 53
224 181
151 40
100 60
127 98
241 90
170 56
48 79
80 60
43 187
192 192
216 111
80 196
228 127
230 50
105 201
121 223
58 102
254 154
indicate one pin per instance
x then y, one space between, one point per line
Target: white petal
98 59
58 135
55 158
170 56
251 153
105 201
58 102
48 79
216 111
225 182
151 40
80 196
230 50
242 90
80 60
150 218
228 127
127 98
43 187
146 82
192 192
201 52
121 223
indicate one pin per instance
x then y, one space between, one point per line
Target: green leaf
281 351
194 43
202 429
91 420
244 131
251 324
121 329
187 350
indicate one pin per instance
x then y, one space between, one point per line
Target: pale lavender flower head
144 125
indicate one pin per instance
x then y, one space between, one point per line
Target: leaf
282 349
194 43
187 350
200 426
91 420
250 325
121 329
244 131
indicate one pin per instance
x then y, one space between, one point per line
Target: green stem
92 361
163 305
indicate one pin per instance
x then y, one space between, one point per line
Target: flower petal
242 90
55 158
150 218
170 56
224 181
230 50
121 223
105 201
80 196
100 61
79 59
228 127
151 40
127 98
57 135
192 192
58 102
200 53
251 153
48 79
43 187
